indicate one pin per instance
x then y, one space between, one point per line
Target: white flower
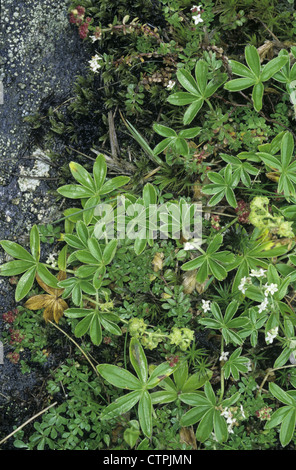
196 8
258 273
197 19
51 260
242 411
224 356
206 305
270 289
243 284
192 244
263 305
271 334
249 366
171 84
95 38
94 63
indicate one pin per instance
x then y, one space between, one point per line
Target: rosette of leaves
177 142
27 264
182 382
223 184
254 75
93 257
244 169
139 384
198 90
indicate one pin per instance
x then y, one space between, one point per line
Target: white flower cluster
197 17
52 260
245 281
231 420
271 335
169 86
94 63
270 289
224 356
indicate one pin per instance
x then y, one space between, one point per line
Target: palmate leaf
26 264
140 385
51 303
92 322
206 411
91 187
254 75
173 140
222 185
198 90
211 262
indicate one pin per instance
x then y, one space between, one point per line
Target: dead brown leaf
189 281
157 262
187 436
52 302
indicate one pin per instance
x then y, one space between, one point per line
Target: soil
40 56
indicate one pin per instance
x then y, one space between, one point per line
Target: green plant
207 410
139 385
27 264
198 90
223 184
254 75
211 262
285 416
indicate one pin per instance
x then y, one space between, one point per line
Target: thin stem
222 374
77 345
270 371
27 422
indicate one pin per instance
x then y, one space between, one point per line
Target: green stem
222 374
58 269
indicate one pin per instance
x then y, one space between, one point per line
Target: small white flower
171 84
196 8
270 289
193 244
224 356
263 305
249 366
95 38
258 273
94 63
206 305
197 19
242 411
244 284
271 334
